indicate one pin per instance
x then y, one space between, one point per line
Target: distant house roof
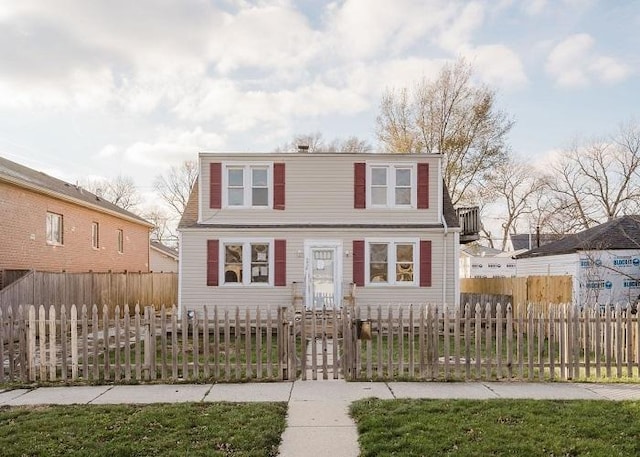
620 233
164 249
189 217
37 181
476 250
528 241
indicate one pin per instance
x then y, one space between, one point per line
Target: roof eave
76 201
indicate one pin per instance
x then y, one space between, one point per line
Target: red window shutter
215 191
280 251
423 186
358 262
425 263
212 262
278 186
360 185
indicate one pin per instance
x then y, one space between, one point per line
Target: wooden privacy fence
110 289
537 290
227 344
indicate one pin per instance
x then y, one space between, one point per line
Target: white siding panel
319 190
195 293
553 265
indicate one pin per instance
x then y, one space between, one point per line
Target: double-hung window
391 262
247 262
248 186
54 228
392 186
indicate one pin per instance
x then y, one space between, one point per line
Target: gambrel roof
42 183
619 233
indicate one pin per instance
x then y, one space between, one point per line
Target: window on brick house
120 241
95 235
54 228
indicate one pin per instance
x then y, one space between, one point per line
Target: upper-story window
391 186
95 235
120 241
248 186
54 228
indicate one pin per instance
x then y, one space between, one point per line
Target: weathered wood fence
227 344
537 290
110 289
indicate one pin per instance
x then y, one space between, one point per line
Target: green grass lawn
497 428
186 429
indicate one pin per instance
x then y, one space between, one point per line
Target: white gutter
180 267
444 262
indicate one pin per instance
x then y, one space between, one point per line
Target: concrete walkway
318 423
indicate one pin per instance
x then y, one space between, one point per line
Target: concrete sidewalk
317 416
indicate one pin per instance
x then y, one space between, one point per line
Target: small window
392 262
247 262
54 228
391 186
379 265
248 186
233 263
120 241
379 186
95 235
259 262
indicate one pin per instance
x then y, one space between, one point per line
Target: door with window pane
323 280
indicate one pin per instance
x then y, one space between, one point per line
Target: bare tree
598 180
515 185
120 191
174 187
316 143
162 230
451 116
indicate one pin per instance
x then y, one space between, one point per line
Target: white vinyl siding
319 190
195 293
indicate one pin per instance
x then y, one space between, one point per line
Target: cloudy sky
102 88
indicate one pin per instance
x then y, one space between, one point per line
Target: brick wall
23 241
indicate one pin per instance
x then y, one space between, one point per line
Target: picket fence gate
231 344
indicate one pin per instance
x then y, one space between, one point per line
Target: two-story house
270 229
50 225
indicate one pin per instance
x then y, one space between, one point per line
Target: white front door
323 273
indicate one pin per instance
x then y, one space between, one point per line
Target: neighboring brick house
50 225
266 229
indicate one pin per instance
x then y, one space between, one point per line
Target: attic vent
303 148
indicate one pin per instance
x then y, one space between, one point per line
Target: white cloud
534 7
497 65
365 29
171 147
575 63
264 37
458 32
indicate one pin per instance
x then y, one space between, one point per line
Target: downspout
444 262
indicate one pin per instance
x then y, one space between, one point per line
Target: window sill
52 243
